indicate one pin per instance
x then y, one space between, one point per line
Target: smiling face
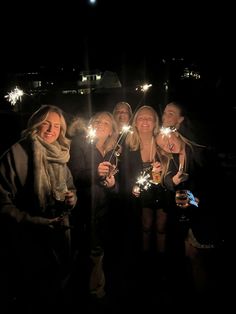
145 121
170 143
172 116
103 126
122 114
49 129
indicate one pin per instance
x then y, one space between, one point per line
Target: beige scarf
50 169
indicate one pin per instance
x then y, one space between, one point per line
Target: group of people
59 187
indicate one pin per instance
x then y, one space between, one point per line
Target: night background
185 51
138 42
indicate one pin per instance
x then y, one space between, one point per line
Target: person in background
122 113
175 116
37 194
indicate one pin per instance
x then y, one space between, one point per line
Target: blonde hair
169 156
133 139
123 103
39 116
111 140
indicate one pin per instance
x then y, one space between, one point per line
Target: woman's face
121 115
171 116
170 143
145 121
103 126
50 128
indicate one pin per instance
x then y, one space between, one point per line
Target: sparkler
14 96
167 130
116 150
143 181
91 134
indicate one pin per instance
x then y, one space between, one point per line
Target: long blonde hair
168 156
133 139
39 116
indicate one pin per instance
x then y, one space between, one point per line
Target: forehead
122 106
103 117
172 108
146 112
162 138
53 117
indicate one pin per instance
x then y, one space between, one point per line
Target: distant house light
190 74
69 91
37 84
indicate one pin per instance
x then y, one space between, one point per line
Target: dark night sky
125 36
113 34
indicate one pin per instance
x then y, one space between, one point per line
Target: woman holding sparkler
36 196
93 164
189 177
142 159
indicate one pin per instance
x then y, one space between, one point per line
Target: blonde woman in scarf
37 194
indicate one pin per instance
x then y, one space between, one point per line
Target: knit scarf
50 170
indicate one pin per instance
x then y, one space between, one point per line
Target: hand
180 177
156 167
59 223
136 191
104 168
110 181
70 198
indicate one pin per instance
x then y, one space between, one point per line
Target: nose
49 128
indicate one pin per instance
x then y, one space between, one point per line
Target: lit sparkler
167 130
143 88
143 181
91 134
14 96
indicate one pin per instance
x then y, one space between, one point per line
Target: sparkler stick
125 129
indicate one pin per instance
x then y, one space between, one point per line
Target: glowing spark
14 96
91 134
145 87
126 129
167 130
143 182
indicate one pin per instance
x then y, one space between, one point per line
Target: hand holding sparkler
107 171
142 183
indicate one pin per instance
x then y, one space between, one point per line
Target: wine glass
182 201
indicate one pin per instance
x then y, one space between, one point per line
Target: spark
14 96
167 130
143 181
91 134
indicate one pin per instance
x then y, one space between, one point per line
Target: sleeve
70 184
10 185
